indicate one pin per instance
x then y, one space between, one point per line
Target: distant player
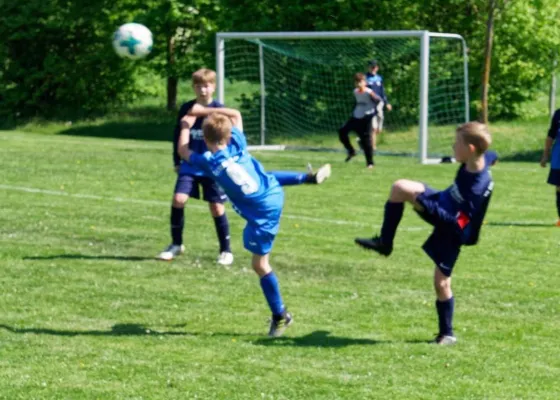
254 194
456 213
192 179
360 121
375 83
552 144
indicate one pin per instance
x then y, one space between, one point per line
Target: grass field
87 313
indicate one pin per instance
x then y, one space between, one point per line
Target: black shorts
554 177
441 247
190 185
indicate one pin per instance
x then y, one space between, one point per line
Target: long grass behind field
87 313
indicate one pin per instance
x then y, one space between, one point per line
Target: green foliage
57 59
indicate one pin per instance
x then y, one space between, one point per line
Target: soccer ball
133 41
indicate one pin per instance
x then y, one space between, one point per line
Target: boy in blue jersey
254 194
191 178
456 213
375 83
552 152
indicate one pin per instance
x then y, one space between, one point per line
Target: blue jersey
254 194
196 139
553 132
375 83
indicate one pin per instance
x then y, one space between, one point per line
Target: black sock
558 203
445 315
391 220
222 230
177 224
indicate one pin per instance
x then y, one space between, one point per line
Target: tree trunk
487 60
172 80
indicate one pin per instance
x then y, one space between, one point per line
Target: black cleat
351 155
374 244
279 325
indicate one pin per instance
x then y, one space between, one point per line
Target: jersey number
242 179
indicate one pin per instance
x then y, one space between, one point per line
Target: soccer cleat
278 326
351 155
558 223
374 244
171 252
370 166
320 176
225 258
445 340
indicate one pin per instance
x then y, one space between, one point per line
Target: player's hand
544 160
389 107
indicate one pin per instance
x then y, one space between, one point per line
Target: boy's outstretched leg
290 178
402 191
445 307
281 318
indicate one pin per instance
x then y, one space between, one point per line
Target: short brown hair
359 77
217 128
203 75
477 134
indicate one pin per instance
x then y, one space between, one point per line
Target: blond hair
477 134
217 128
204 75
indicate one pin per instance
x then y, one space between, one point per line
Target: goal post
295 87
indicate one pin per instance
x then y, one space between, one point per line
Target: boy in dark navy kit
190 178
456 213
552 151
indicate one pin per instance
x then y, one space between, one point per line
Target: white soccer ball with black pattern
133 41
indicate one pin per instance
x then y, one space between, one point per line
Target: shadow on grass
116 330
316 339
86 257
524 156
158 130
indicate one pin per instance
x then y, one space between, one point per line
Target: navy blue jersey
460 209
375 83
196 138
553 134
254 194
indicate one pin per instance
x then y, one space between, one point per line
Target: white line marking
195 206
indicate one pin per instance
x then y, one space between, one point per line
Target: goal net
295 88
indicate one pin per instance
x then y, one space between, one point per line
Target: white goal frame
423 36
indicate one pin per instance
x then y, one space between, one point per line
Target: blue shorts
259 239
442 248
189 185
554 177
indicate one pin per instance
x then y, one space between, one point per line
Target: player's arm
199 110
373 95
385 99
430 211
184 136
550 138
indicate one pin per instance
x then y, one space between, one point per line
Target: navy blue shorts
190 185
554 177
442 248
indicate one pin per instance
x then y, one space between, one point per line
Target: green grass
88 313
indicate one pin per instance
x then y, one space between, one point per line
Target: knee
179 200
216 209
442 287
398 190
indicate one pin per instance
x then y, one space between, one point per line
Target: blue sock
177 224
287 178
271 290
445 315
558 203
222 229
391 220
